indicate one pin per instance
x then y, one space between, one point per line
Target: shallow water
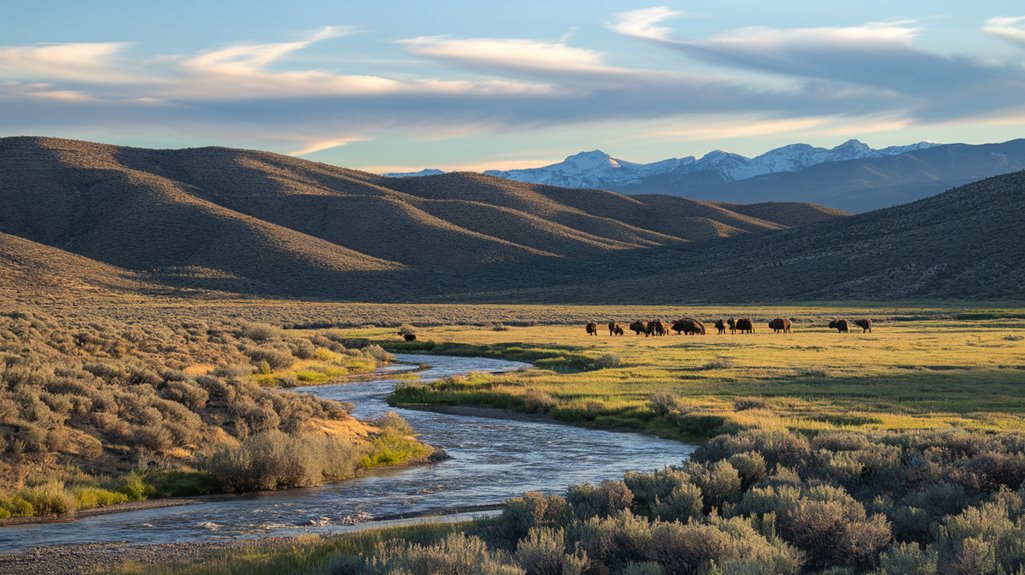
492 460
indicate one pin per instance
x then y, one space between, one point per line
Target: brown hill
963 244
247 221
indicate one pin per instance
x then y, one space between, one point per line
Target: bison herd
691 326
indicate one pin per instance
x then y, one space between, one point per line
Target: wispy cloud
81 62
645 23
1008 28
878 56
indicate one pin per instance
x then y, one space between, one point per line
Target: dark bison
592 328
656 327
720 326
864 324
780 325
408 336
639 327
840 325
619 330
614 328
744 325
689 326
732 322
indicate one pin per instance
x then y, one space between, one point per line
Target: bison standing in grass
780 325
614 328
840 325
688 326
592 328
619 330
639 327
720 326
656 327
744 325
864 324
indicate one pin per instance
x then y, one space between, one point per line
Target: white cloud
508 52
1008 28
94 63
321 145
643 23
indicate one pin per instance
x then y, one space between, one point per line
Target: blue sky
465 85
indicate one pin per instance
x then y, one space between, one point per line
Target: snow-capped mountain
423 172
597 169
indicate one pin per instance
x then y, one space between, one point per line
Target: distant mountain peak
598 169
424 172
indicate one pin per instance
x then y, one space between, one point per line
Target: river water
492 460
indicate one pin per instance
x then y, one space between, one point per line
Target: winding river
492 460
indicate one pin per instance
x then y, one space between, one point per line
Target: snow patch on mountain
597 169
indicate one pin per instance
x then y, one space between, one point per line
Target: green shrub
522 514
607 361
90 497
274 460
663 403
907 559
542 552
608 498
136 488
457 554
274 358
49 498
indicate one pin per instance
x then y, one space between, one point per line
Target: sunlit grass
918 374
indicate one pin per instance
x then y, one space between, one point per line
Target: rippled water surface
492 460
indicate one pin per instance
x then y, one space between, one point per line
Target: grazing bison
720 326
733 325
780 325
639 327
840 325
864 324
592 328
689 326
656 327
409 336
614 328
744 325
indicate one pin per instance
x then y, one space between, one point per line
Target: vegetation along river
491 460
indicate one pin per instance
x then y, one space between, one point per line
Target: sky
402 85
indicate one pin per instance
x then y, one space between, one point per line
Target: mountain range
95 218
851 176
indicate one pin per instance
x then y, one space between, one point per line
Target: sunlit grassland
914 374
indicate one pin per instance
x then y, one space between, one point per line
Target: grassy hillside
964 243
255 222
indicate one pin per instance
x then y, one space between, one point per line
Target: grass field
907 374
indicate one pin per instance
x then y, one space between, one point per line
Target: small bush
90 497
663 403
50 498
273 357
719 363
745 403
608 498
542 552
538 401
606 361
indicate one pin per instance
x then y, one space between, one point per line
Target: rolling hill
963 244
94 218
248 221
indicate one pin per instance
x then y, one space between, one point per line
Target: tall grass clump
275 460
